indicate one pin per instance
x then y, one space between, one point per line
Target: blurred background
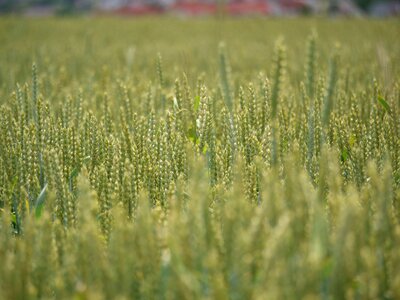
378 8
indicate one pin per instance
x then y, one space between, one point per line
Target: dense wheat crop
202 159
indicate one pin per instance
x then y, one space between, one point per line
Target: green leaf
13 218
383 102
176 105
191 134
74 173
40 202
76 170
196 103
204 150
344 155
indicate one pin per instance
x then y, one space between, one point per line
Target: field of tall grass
199 159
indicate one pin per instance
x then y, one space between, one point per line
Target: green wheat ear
328 98
311 61
278 74
225 75
160 70
34 90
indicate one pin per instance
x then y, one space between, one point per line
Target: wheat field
164 158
